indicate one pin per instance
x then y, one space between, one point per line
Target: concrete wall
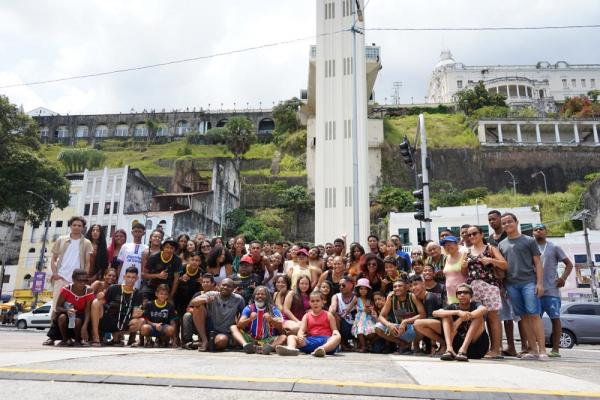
591 200
11 232
486 166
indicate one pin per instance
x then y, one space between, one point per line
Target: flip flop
96 344
448 356
493 357
461 357
203 347
508 354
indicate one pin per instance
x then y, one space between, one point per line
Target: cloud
46 39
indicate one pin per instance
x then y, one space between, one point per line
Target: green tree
240 136
470 100
296 199
23 168
234 220
255 229
285 115
78 159
395 199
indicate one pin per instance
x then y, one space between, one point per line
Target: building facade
538 85
329 109
145 125
411 232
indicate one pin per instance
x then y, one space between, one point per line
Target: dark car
580 324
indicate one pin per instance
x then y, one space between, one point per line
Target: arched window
101 131
182 128
27 282
122 130
31 250
44 130
221 123
62 132
141 130
266 125
162 130
82 131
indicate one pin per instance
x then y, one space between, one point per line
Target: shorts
261 342
346 329
314 342
487 294
551 306
506 312
409 336
477 349
158 332
523 299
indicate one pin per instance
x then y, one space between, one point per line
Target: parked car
39 318
580 324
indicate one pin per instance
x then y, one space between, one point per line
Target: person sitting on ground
318 334
396 319
463 327
245 279
344 316
74 302
214 313
327 292
159 318
100 286
431 302
259 324
188 329
296 304
123 313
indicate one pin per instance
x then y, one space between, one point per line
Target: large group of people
448 297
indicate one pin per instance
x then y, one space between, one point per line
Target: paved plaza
31 371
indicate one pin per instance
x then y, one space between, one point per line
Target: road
31 371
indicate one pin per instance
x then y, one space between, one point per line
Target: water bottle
69 307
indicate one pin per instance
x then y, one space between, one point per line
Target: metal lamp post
540 172
40 262
514 182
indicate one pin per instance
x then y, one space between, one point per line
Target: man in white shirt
131 254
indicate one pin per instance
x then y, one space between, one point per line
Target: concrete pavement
24 362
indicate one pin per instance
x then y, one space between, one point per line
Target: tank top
342 305
335 286
478 271
403 309
79 302
297 272
318 325
454 277
300 305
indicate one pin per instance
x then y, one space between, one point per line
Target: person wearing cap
163 267
301 268
364 321
551 256
245 279
454 268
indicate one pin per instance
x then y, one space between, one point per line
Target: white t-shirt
131 256
70 261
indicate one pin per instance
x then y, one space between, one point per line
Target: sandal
64 343
448 356
461 357
96 344
48 342
149 344
202 347
188 346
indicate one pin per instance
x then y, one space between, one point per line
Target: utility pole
40 263
514 182
583 215
540 172
422 204
396 96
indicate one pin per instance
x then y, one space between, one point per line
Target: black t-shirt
247 284
156 265
159 315
464 327
440 289
186 290
432 302
494 242
119 305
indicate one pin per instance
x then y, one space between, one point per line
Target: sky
46 39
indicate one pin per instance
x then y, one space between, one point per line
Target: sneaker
249 348
554 354
319 352
286 351
543 357
267 349
529 356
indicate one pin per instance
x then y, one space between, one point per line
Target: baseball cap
448 239
302 251
539 226
247 259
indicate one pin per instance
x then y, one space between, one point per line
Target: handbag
499 274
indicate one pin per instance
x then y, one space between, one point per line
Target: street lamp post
514 182
477 209
40 262
540 172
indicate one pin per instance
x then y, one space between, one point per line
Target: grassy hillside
443 130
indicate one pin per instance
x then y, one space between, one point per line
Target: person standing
551 255
524 284
69 252
130 254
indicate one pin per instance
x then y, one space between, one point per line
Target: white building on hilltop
536 85
451 218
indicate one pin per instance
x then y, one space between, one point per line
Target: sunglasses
205 247
538 229
459 292
472 234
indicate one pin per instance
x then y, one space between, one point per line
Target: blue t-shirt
259 328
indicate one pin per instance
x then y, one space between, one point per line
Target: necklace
126 291
187 271
163 260
543 249
123 317
160 305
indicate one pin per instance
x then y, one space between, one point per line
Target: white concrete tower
334 128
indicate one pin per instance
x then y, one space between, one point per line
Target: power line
285 42
493 28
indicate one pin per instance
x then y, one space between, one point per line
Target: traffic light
419 205
407 152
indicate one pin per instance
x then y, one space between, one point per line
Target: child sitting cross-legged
318 334
160 318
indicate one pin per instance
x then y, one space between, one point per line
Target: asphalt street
29 370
